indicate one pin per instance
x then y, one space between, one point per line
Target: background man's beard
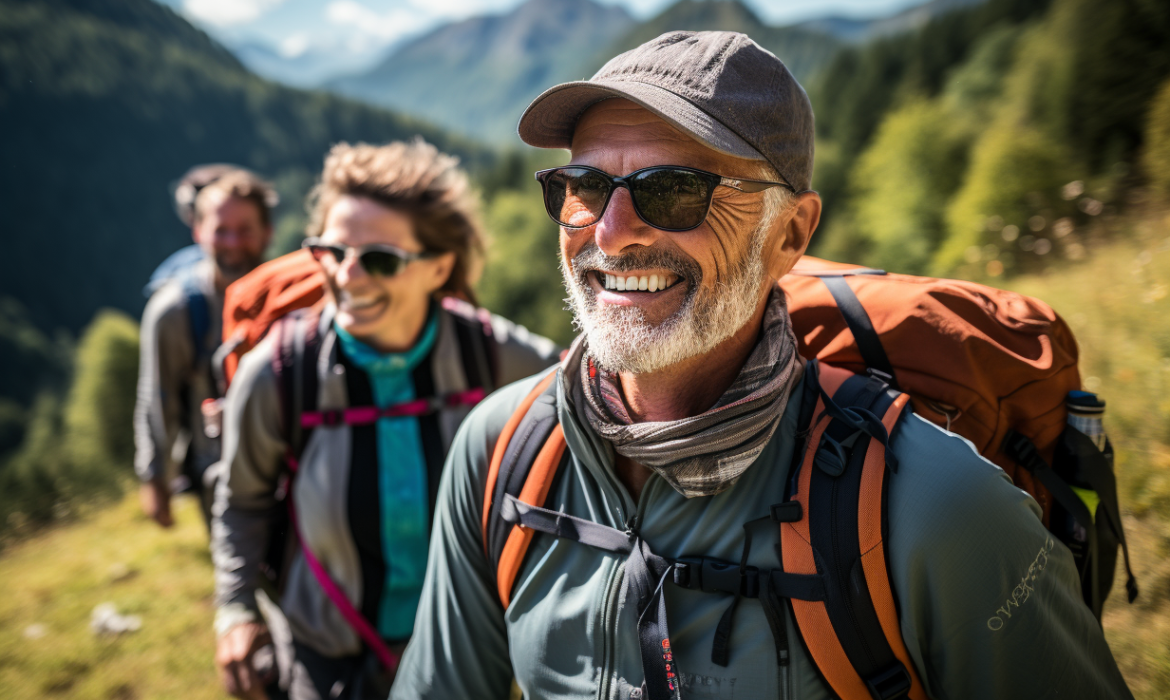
622 340
236 268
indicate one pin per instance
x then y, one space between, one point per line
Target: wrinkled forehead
618 129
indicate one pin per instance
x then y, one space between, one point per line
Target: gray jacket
253 458
963 544
168 422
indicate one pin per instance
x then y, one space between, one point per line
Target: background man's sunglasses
377 259
667 197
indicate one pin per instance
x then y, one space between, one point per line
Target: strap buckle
787 512
716 576
331 417
892 683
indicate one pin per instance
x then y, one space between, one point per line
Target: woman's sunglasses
667 197
378 260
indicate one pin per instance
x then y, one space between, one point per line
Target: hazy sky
362 26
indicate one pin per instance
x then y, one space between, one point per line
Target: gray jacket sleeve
253 450
166 356
990 602
459 648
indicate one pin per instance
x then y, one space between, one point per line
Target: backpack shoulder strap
294 362
853 634
869 343
199 317
477 346
527 457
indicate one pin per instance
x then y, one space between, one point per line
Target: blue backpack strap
199 316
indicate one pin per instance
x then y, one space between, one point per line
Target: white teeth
632 283
351 302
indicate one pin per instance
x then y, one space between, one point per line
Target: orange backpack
992 366
259 299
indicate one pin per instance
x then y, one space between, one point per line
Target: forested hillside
986 142
106 102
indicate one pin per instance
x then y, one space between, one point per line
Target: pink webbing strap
365 630
364 415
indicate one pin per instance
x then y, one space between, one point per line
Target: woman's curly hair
413 178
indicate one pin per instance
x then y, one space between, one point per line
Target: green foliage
33 363
902 182
100 408
82 447
1157 153
862 85
522 278
1015 174
1120 55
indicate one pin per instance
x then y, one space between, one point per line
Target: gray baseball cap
722 88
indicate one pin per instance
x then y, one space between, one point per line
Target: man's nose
620 227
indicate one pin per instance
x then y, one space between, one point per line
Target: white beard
622 340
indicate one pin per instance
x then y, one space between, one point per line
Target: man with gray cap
682 405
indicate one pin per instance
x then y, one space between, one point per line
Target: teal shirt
402 477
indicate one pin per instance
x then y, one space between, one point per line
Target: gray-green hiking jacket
990 606
174 378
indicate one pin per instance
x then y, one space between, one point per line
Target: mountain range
477 75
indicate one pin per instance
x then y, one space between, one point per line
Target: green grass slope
50 585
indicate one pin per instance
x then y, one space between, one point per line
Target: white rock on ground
107 621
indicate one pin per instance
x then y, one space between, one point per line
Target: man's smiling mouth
636 283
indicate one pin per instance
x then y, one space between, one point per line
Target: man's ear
195 233
795 229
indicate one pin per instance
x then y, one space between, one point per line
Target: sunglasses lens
381 263
575 197
321 251
669 198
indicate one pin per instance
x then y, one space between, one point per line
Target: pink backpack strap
353 618
365 415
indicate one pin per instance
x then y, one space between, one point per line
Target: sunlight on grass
49 586
1118 305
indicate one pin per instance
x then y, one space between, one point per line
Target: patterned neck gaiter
701 455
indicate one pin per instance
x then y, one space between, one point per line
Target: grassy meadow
1117 301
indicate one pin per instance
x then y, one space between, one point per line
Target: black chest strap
647 574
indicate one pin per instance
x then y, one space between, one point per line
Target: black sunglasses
667 197
377 259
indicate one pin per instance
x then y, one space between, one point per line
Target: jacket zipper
605 688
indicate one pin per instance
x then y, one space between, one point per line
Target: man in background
229 210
